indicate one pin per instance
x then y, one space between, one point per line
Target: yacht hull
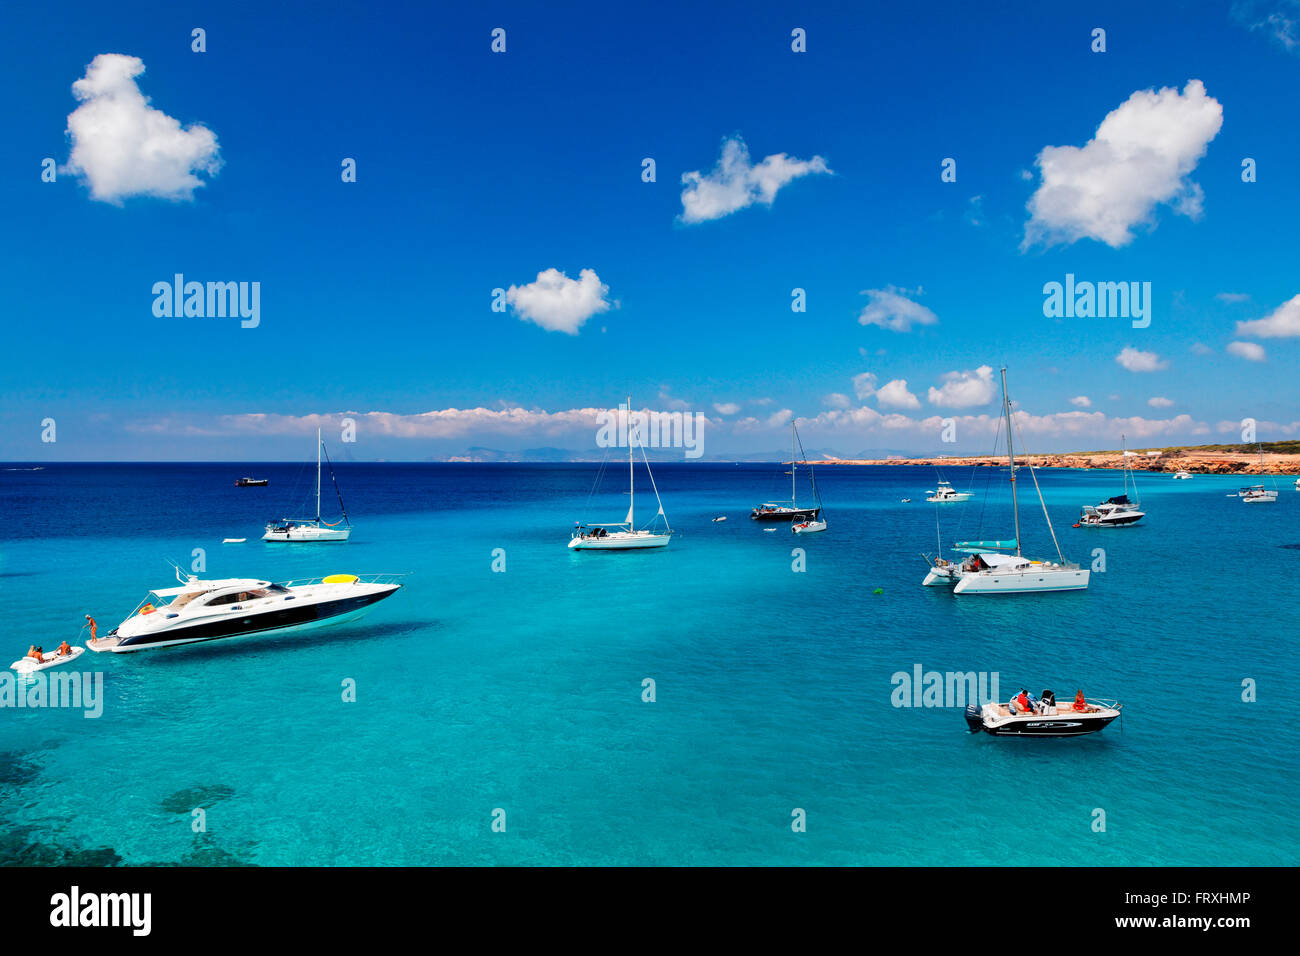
1115 521
620 541
278 619
785 514
1032 580
1063 724
308 536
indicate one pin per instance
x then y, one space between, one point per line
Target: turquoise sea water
522 690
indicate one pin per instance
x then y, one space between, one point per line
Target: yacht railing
382 578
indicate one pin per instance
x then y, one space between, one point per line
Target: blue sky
479 171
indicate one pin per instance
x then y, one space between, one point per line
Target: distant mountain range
479 453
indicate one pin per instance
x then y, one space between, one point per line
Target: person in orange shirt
1079 703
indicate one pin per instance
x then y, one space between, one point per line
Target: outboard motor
974 719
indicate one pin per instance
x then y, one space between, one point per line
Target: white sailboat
988 570
817 522
1258 494
1118 511
624 535
311 530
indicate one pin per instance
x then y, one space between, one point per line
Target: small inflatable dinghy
29 665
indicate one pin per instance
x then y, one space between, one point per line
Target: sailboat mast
317 475
1011 459
794 495
631 481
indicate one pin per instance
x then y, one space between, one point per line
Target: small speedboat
719 518
200 611
1043 717
1182 475
811 526
251 482
30 665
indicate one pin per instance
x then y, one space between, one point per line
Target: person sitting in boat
1080 704
1021 700
34 652
63 650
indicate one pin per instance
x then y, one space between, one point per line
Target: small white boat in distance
1297 484
946 493
1258 494
311 530
1182 475
623 535
811 526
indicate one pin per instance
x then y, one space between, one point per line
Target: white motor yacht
945 493
1182 475
199 611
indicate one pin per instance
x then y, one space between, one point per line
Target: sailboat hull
620 541
785 514
1032 580
308 535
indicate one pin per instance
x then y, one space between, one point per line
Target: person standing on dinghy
93 626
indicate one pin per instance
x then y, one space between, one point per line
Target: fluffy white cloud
837 400
1200 348
892 309
895 395
736 182
1138 361
1141 156
780 419
726 408
558 303
1159 401
864 385
1081 401
965 389
1282 322
1280 20
123 147
1250 351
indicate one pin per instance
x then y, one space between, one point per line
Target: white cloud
726 408
895 395
837 400
965 389
1138 361
1233 297
1081 401
1200 348
1282 322
736 182
1141 156
780 419
558 303
1159 401
864 385
1281 20
123 147
1250 351
891 308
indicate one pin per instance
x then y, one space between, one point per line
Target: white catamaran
988 570
312 530
624 535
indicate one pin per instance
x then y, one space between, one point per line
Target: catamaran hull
942 577
299 618
617 542
1030 581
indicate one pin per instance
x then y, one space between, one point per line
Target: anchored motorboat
811 526
1117 511
989 571
200 611
1182 475
251 482
945 494
1027 716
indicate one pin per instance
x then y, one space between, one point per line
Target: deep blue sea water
522 690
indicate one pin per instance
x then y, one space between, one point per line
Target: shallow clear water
522 690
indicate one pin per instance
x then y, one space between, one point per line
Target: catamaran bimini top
1005 561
